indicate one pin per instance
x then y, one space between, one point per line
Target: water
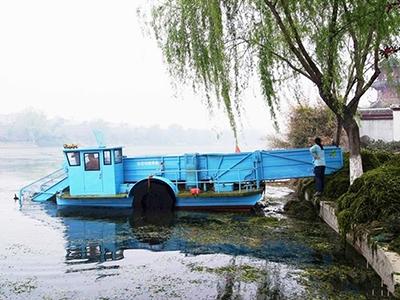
48 253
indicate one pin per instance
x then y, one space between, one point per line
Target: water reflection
298 257
98 235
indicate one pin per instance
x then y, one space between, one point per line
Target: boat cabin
94 171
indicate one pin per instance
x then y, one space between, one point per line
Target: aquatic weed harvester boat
104 177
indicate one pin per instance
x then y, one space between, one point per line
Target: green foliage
304 185
338 184
372 198
369 160
381 145
395 245
307 122
192 36
219 44
304 124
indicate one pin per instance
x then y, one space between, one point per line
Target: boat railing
240 177
42 185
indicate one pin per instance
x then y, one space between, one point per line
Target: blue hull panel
95 202
181 202
220 202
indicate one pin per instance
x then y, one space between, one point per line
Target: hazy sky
90 59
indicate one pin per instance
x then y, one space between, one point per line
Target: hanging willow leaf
219 45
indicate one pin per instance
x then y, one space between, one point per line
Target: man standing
317 152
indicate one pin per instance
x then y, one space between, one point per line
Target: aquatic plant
245 272
336 281
303 210
372 204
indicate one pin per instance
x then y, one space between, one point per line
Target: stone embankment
385 263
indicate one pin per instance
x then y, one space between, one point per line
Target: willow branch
289 41
299 42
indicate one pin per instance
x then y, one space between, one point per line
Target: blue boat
104 177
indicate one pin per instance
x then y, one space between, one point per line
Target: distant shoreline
19 145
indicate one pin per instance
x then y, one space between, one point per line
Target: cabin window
107 157
92 161
118 156
73 159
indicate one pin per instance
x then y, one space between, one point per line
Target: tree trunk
353 134
339 124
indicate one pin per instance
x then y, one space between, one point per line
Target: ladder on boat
46 187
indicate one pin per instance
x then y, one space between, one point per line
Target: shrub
305 122
380 145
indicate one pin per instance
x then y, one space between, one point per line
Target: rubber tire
153 196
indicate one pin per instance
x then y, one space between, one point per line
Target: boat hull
243 202
125 202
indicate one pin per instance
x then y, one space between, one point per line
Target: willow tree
335 44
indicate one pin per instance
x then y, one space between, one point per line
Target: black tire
153 196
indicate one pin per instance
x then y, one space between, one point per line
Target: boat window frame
98 159
119 160
104 158
69 161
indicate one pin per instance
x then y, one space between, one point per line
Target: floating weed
16 249
197 281
266 222
166 287
228 229
321 246
58 298
336 281
19 287
245 273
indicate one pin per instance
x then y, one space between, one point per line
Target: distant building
381 121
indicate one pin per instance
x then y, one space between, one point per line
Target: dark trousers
319 178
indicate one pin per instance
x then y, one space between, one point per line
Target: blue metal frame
223 172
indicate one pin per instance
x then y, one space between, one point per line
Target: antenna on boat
98 134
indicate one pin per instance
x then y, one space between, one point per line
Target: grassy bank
372 204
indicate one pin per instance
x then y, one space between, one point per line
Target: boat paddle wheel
153 196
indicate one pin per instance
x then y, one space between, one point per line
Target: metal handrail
214 180
59 172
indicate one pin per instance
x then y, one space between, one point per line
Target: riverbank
103 254
366 213
386 263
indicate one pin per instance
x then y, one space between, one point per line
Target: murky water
49 253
